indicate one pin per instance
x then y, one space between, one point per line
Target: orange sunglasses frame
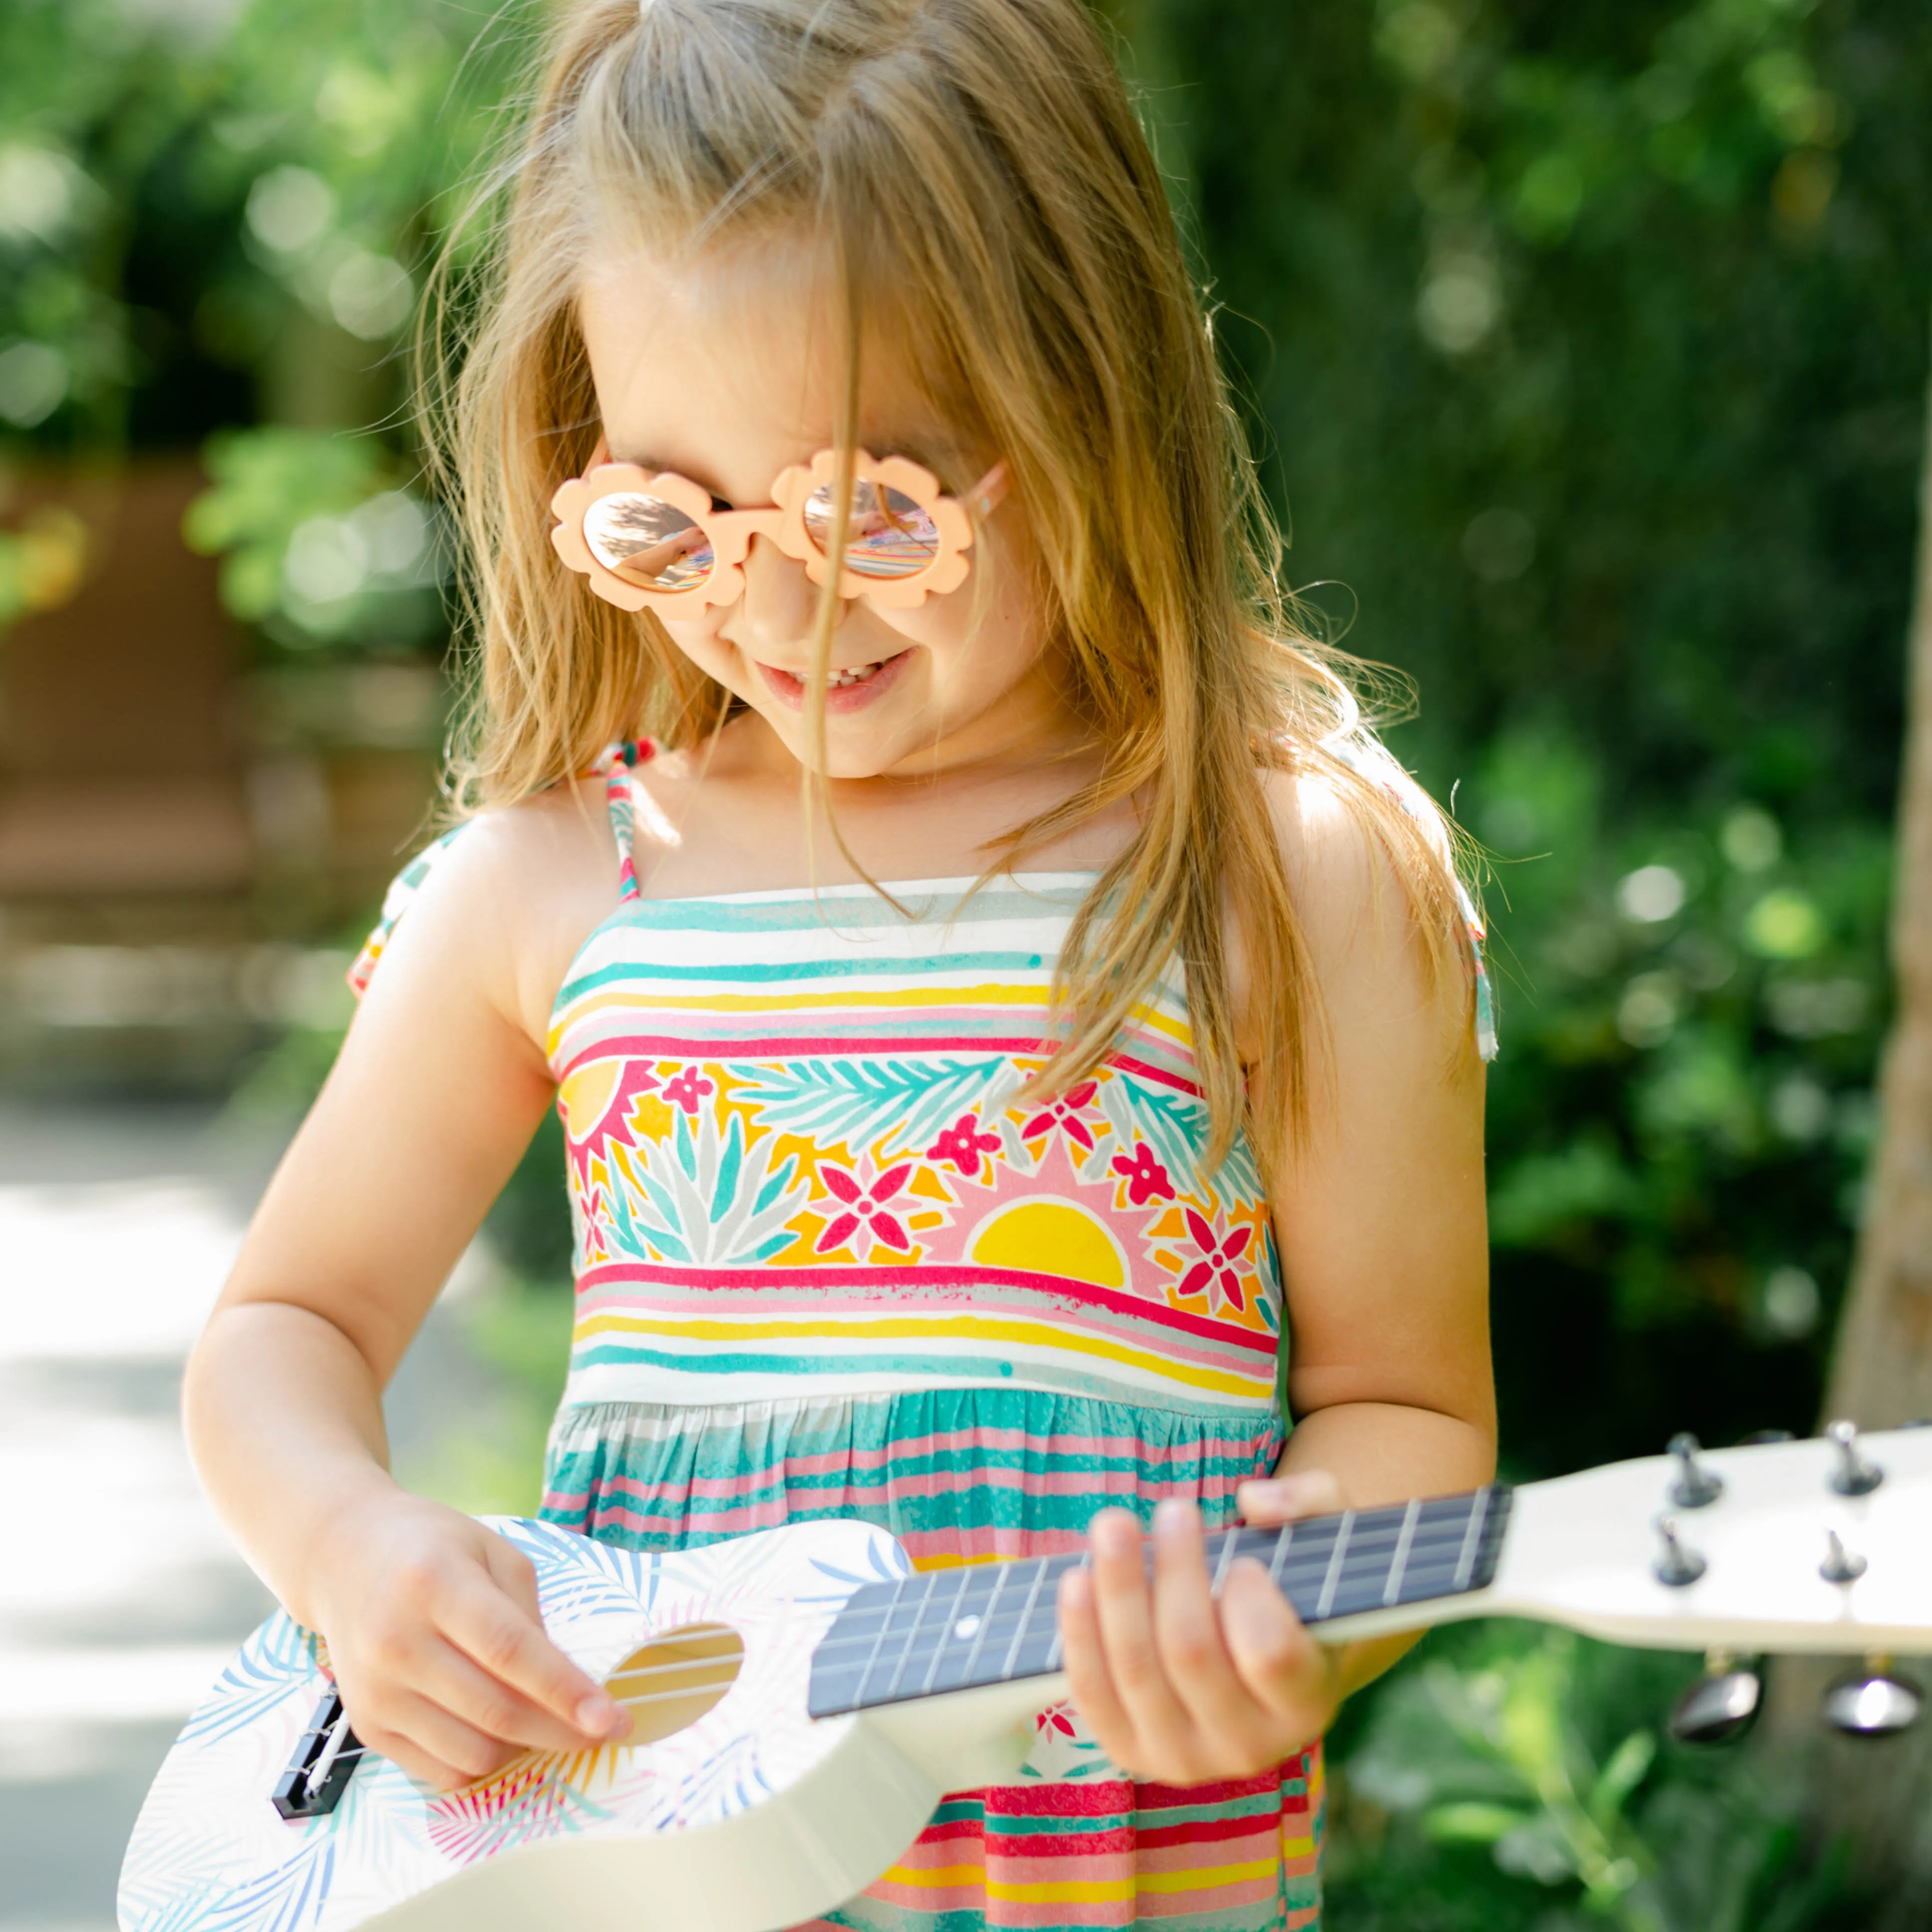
731 532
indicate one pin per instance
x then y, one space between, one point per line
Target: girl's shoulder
1372 866
512 891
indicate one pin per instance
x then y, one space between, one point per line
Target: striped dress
830 1262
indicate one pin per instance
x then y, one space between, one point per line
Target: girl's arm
430 1620
1380 1221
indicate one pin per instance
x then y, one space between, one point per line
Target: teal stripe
867 966
833 913
1257 1803
609 1455
800 1370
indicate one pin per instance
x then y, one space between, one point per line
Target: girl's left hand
1179 1687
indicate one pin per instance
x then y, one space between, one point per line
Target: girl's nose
779 600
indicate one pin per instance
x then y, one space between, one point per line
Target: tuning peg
1677 1563
1840 1565
1873 1703
1696 1485
1854 1476
1721 1705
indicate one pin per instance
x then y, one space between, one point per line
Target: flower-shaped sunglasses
660 541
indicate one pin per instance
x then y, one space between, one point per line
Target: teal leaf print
716 1199
862 1101
1175 1126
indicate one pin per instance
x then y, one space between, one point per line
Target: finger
1267 1500
1124 1606
488 1625
434 1745
1277 1660
1084 1658
516 1575
448 1678
1188 1626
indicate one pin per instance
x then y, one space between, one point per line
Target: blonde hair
980 160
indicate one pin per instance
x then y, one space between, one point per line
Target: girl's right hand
437 1644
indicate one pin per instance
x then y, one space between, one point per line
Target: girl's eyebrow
937 454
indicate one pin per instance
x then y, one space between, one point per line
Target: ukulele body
749 1816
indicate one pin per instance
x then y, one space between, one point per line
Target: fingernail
601 1716
1174 1516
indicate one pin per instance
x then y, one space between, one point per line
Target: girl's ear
990 492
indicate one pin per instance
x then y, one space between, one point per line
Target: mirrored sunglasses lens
889 535
648 542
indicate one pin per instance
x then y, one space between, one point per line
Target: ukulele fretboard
954 1629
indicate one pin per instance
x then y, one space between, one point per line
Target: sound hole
671 1681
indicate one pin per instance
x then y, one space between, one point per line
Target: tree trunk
1882 1370
1877 1796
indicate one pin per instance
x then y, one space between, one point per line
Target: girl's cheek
700 641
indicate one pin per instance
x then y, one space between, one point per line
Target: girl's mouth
850 687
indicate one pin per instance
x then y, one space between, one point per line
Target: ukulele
801 1698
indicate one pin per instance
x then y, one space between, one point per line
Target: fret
1283 1538
1046 1620
921 1623
878 1641
1334 1576
1006 1668
1228 1543
949 1626
992 1623
1465 1563
987 1618
914 1594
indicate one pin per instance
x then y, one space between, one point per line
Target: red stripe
919 1284
714 1048
1255 1825
1158 1797
1061 1844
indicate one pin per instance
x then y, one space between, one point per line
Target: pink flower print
686 1089
1055 1720
1064 1113
1146 1178
962 1145
1215 1270
865 1208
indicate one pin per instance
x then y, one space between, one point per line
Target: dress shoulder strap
614 763
619 761
397 901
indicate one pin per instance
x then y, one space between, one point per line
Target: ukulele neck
940 1630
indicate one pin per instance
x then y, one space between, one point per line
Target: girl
1009 996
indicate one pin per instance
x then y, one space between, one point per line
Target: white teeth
853 674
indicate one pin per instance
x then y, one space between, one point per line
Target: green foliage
1588 347
1517 1778
213 218
1682 1112
318 544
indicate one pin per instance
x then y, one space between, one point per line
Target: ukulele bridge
325 1757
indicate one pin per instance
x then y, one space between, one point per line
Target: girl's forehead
725 364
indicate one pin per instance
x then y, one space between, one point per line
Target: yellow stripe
768 1001
930 1878
1201 1877
978 1327
1082 1891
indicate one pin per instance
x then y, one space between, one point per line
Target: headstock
1823 1546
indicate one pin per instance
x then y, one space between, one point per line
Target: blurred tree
1881 1367
1586 344
1882 1371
